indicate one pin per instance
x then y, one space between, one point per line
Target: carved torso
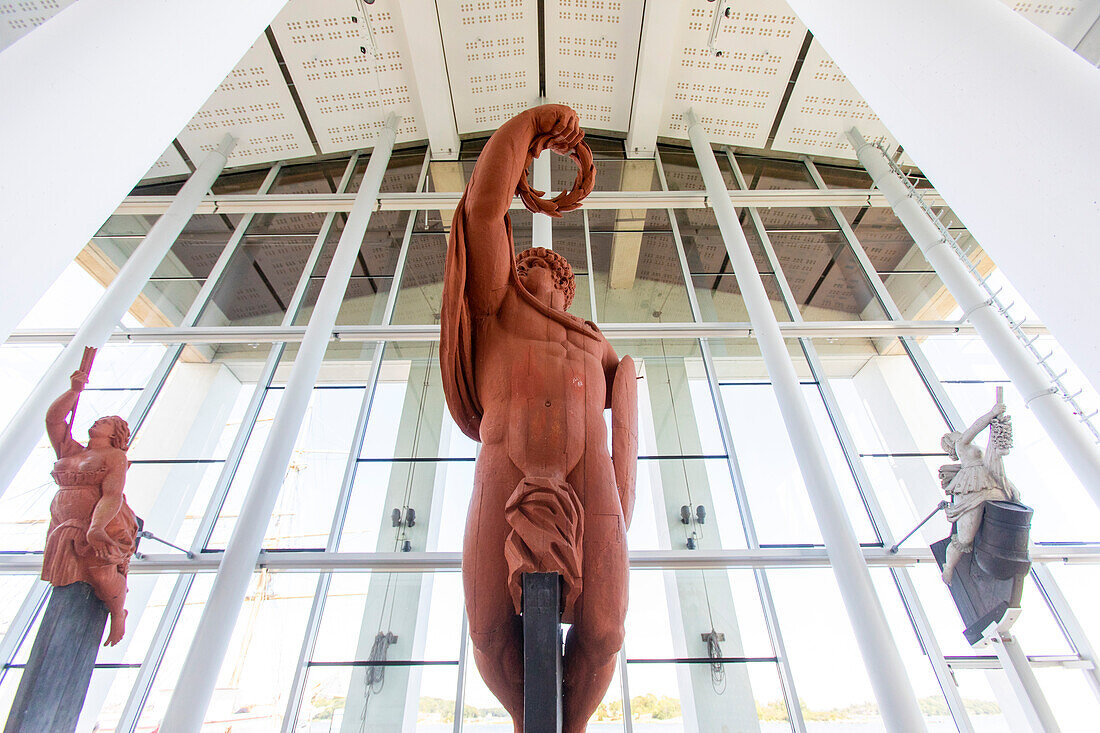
544 402
68 556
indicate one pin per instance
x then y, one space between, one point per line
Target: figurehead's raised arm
481 226
58 427
479 267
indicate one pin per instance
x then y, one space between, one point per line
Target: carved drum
1000 548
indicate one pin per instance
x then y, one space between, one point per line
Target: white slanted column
25 429
1052 412
195 686
699 601
894 692
397 603
91 99
1001 117
542 228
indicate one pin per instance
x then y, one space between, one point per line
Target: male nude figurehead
531 383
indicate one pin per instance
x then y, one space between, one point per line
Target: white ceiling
462 67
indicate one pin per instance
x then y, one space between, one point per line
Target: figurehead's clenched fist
556 127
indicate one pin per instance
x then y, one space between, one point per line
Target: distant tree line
651 707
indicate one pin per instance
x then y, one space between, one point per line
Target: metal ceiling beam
657 50
419 21
308 203
729 329
419 562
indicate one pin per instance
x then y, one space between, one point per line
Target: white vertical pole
339 517
894 693
1023 682
24 430
541 224
1051 411
628 722
195 686
919 618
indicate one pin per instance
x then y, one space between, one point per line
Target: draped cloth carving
547 530
69 557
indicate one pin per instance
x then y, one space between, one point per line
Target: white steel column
918 617
195 686
139 693
25 429
339 517
884 385
1022 679
896 699
748 524
1060 424
541 224
91 98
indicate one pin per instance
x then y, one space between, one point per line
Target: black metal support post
542 652
55 681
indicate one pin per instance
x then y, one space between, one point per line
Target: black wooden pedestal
542 650
55 680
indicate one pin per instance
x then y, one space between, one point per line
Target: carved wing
624 433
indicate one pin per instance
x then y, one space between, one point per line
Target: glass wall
330 638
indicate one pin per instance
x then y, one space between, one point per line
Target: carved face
112 427
546 275
101 428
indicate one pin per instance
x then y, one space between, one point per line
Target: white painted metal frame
1040 396
755 558
150 665
308 561
667 330
894 692
322 203
1052 594
198 305
332 543
752 540
921 624
195 686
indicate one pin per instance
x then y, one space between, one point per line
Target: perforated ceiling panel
17 19
822 106
591 55
1067 20
349 74
492 53
254 104
170 163
736 95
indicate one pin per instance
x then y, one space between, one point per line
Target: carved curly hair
559 266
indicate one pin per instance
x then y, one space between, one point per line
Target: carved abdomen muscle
546 409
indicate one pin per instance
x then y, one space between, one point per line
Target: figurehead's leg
110 586
498 655
597 633
962 540
495 630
